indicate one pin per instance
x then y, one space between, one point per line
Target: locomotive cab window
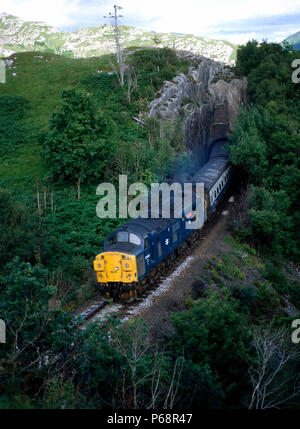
146 243
125 237
134 239
122 237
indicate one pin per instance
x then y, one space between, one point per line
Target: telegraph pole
115 16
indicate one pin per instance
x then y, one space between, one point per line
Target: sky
234 20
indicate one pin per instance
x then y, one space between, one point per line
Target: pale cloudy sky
233 20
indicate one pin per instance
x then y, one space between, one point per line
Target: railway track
94 309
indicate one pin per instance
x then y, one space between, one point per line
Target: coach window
134 239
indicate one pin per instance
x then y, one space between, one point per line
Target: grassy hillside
40 81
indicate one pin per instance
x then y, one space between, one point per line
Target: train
141 249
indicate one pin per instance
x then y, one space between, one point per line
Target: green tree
80 141
36 334
12 124
18 230
271 221
247 58
212 332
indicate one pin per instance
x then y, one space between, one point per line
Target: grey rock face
208 100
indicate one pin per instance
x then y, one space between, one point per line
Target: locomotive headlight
116 268
127 265
99 265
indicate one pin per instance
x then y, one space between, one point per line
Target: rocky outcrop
208 100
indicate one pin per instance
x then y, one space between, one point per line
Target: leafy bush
34 332
12 125
19 230
214 332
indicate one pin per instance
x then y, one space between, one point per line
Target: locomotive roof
144 226
139 226
123 247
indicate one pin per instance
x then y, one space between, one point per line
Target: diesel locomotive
140 249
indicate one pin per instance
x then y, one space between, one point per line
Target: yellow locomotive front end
116 273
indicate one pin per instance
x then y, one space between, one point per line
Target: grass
41 81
